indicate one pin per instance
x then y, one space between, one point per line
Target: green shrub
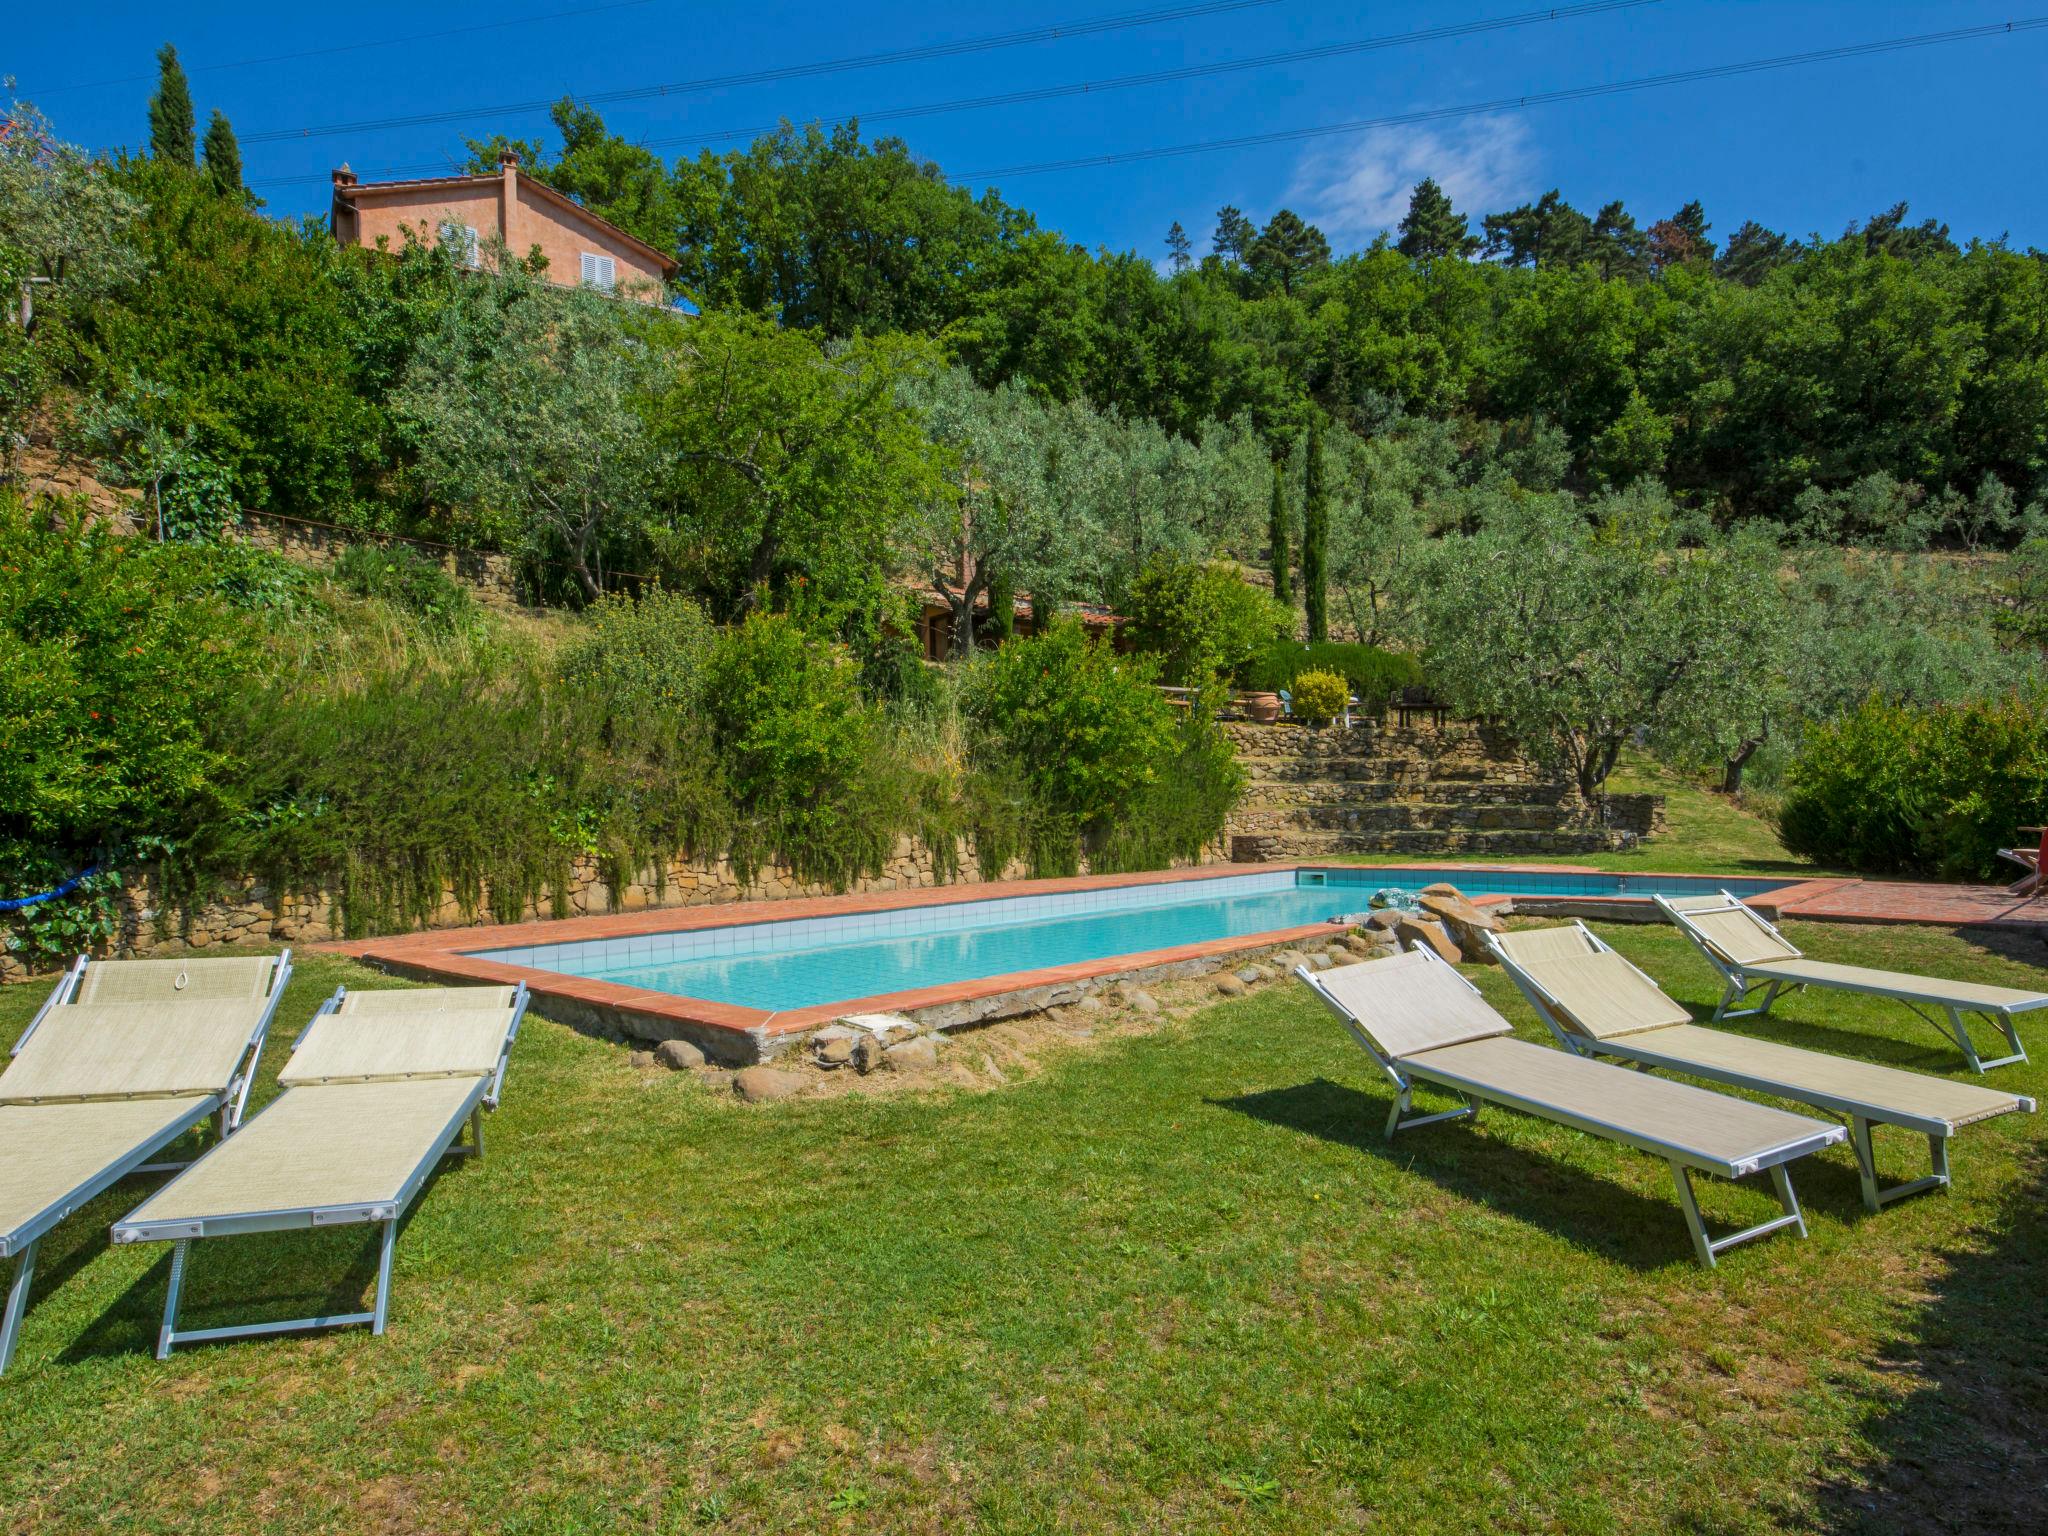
805 759
1320 695
1075 737
1888 789
649 651
1373 674
409 581
1202 620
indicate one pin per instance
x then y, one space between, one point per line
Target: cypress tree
223 156
173 138
1315 539
1281 558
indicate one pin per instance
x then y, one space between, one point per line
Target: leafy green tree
1315 540
525 407
1432 227
1202 619
173 130
223 157
786 469
139 438
1580 635
1280 559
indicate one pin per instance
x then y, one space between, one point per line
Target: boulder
914 1055
1442 888
1252 974
642 1059
1143 1002
1386 921
867 1054
1465 922
1229 985
1358 944
764 1085
1089 1004
1416 931
1319 961
678 1055
833 1053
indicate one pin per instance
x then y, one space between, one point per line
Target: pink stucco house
581 248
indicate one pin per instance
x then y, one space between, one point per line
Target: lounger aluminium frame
325 1113
1433 1026
81 1144
1750 953
1645 1027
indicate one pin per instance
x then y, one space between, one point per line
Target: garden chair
1599 1005
2029 860
1421 1022
377 1091
1750 954
122 1059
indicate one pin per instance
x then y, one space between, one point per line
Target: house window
462 239
600 272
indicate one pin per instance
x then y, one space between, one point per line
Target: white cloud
1355 189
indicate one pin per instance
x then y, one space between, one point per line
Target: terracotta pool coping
450 954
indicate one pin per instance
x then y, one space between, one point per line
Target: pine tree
1681 238
1179 248
1315 540
1433 227
223 156
1234 234
173 138
1287 250
1279 558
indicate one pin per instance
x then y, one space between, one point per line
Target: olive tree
525 407
1583 633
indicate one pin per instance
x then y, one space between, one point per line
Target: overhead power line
984 44
1514 103
1087 87
318 53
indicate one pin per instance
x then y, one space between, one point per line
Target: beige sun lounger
377 1091
122 1059
1424 1023
1598 1004
1750 953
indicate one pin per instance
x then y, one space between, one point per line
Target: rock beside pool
1386 920
1143 1002
1467 924
836 1052
644 1060
1089 1004
678 1055
1230 985
1441 888
765 1085
1361 946
1416 932
867 1054
915 1055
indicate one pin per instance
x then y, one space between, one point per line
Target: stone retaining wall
494 577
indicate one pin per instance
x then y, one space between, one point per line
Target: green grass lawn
1168 1282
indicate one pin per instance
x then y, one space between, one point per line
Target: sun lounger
1598 1004
1424 1023
377 1091
123 1058
1750 954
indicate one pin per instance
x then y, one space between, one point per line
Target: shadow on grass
1962 1448
1580 1207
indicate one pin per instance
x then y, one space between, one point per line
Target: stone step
1274 793
1470 843
1375 765
1397 815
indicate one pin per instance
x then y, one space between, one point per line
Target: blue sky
1957 130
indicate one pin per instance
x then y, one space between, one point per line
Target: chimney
508 159
343 176
508 196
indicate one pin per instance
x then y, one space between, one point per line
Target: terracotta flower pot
1262 707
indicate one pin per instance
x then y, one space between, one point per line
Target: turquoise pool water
810 962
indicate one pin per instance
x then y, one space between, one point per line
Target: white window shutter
600 272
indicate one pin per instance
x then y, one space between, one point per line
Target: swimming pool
776 966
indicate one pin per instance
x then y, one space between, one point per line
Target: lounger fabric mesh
356 1046
1733 1133
1410 1003
126 1050
1604 996
1887 1092
342 1144
1533 944
49 1150
415 1000
175 981
1927 989
1737 933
